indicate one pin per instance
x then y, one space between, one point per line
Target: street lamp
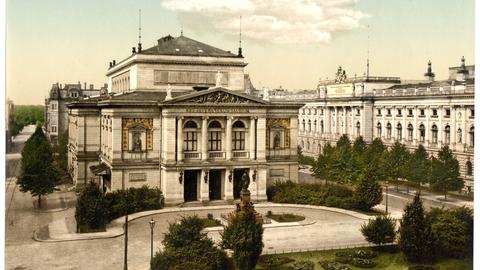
386 197
152 225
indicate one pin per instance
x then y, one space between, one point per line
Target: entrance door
190 179
237 182
215 185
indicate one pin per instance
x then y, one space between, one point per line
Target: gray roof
185 47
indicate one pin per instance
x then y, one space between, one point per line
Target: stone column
441 134
228 144
464 111
352 120
204 138
252 138
428 128
336 122
404 124
453 129
344 131
384 124
394 124
204 196
180 138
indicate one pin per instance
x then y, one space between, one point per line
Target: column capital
253 117
180 117
205 117
229 117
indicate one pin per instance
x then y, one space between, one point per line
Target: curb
115 228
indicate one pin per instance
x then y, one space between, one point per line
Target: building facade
431 113
181 121
56 113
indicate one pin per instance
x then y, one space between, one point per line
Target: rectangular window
379 112
214 141
434 112
447 112
422 112
190 141
472 113
54 128
410 112
399 112
389 112
238 140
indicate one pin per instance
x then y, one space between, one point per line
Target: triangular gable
217 96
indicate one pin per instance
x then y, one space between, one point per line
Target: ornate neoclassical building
428 112
176 117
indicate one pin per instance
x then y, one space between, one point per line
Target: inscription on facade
217 110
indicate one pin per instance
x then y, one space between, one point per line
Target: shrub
380 230
90 212
139 199
273 262
210 216
422 267
449 234
368 193
329 265
363 263
187 247
302 265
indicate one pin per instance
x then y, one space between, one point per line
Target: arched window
238 136
421 129
471 134
469 168
459 135
399 131
315 126
358 128
319 148
190 137
389 131
410 132
434 133
308 146
303 124
309 125
447 134
321 126
379 130
214 136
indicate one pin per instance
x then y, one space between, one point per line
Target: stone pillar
441 133
252 138
344 128
384 124
428 128
352 122
464 111
228 153
228 186
204 138
204 186
336 122
180 139
453 130
404 124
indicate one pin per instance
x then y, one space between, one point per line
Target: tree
38 175
90 211
322 166
380 230
414 239
62 152
445 175
341 167
244 236
368 192
187 247
397 162
419 166
450 235
375 160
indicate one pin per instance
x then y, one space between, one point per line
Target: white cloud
279 21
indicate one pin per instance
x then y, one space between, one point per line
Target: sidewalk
63 230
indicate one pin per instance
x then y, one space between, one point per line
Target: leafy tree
187 247
38 175
368 192
450 235
24 115
397 162
90 211
244 236
380 230
445 175
322 166
414 239
358 161
341 168
375 159
419 166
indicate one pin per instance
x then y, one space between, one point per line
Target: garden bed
285 217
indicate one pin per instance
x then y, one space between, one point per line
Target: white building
177 118
432 113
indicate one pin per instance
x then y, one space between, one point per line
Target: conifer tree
38 174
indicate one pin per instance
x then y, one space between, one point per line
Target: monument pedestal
245 202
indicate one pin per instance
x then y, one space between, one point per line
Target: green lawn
384 260
285 217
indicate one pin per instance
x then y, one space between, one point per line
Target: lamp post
386 197
152 225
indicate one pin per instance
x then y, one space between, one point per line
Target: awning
101 169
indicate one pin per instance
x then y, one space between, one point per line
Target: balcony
192 155
240 154
216 155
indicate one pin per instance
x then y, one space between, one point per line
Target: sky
288 43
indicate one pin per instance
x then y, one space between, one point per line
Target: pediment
217 96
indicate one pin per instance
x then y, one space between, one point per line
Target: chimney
91 86
110 64
114 63
84 85
134 51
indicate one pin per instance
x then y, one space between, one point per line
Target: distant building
177 117
429 112
56 114
9 124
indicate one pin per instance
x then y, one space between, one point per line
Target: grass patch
285 217
384 260
209 221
